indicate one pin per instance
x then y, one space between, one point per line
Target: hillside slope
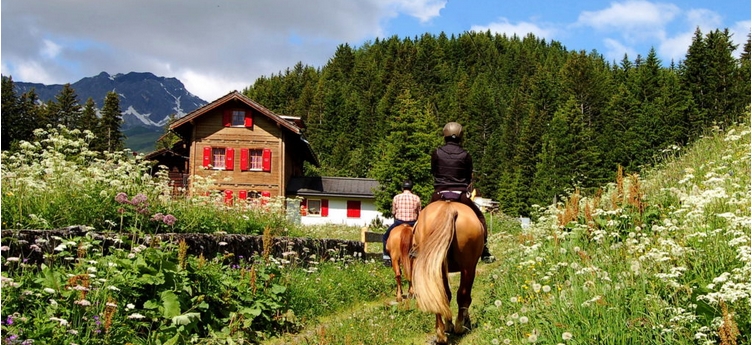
662 258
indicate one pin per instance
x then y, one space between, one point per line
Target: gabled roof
235 95
294 124
332 187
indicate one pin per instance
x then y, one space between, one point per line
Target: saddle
450 195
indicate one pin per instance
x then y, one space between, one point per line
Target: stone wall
25 245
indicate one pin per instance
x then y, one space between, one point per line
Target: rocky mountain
147 101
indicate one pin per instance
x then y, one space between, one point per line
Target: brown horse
398 245
448 237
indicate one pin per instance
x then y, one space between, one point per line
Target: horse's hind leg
464 299
441 337
397 278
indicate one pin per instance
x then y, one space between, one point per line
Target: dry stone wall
32 245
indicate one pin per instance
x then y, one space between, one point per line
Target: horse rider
452 170
405 208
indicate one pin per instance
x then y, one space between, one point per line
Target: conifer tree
10 115
568 155
405 152
20 115
112 119
66 110
90 121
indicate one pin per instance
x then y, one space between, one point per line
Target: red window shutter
353 209
227 118
228 197
248 119
207 156
266 160
229 158
244 160
324 208
265 195
243 194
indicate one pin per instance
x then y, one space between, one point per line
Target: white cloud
705 19
521 29
32 70
615 51
209 87
222 44
741 31
675 48
424 10
50 49
639 16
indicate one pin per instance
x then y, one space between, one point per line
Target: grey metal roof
332 186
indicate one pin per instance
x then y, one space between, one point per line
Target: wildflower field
659 258
662 258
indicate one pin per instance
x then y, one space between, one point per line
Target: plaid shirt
406 206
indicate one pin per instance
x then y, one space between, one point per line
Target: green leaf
186 318
151 304
173 340
250 311
171 304
278 289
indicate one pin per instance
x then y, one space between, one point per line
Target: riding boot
486 255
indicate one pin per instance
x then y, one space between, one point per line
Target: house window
238 118
353 209
255 158
218 157
315 207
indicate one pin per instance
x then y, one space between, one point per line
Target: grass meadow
657 258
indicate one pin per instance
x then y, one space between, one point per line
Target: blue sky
215 47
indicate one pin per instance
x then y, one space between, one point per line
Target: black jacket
451 167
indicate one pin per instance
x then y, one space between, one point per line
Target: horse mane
430 263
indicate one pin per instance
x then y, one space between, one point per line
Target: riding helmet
407 185
453 130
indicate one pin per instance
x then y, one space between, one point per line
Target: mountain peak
145 99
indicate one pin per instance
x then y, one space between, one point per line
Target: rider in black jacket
452 170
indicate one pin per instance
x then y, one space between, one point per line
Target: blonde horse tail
429 267
405 247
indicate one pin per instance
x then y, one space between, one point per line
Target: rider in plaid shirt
405 207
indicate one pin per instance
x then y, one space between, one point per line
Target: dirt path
369 318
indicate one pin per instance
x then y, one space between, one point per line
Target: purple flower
169 219
157 217
9 320
121 198
138 199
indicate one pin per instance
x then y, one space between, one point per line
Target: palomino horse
448 237
398 245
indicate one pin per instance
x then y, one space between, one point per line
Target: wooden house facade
246 149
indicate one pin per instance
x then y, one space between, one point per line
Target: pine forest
539 121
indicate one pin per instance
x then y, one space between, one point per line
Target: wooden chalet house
248 150
252 153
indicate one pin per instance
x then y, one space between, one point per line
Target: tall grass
56 181
662 258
